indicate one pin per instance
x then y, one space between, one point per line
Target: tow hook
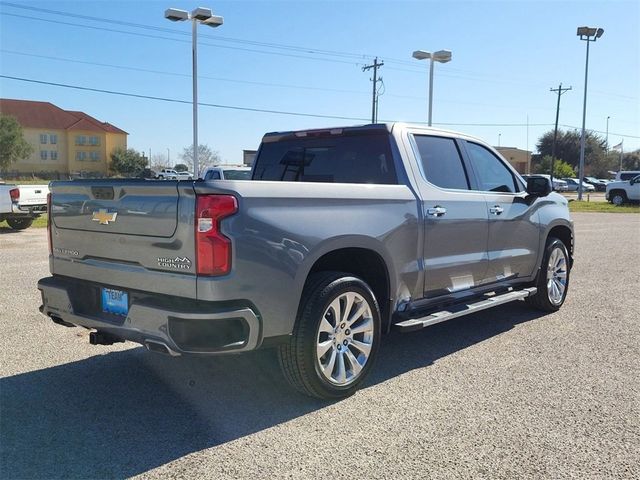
103 338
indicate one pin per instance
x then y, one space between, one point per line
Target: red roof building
64 141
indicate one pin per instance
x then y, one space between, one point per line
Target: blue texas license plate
115 301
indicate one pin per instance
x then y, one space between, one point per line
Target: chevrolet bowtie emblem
103 217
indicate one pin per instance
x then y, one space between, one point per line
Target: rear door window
441 162
492 175
335 159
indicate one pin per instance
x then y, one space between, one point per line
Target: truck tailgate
33 195
133 234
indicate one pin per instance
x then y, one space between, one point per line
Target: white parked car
185 176
227 172
623 191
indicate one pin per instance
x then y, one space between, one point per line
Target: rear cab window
441 162
357 157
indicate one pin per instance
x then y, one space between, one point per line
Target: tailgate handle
102 193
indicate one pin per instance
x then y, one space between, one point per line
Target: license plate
115 301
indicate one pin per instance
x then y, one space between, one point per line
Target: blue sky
506 57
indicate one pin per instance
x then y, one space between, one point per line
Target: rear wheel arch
365 264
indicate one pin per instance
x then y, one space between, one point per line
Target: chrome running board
461 309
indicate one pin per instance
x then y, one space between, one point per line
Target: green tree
180 167
560 169
600 166
568 147
13 146
129 162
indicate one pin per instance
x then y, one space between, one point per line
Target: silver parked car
573 183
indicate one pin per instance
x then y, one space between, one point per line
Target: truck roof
371 128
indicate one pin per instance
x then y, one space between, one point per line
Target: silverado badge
103 217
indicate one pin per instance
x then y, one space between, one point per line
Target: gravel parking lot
505 393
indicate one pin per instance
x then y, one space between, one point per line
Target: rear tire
553 277
335 339
19 223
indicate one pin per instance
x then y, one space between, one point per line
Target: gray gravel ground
506 393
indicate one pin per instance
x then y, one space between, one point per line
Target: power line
175 100
280 112
158 37
242 81
177 74
311 51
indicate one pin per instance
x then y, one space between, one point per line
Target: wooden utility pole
374 101
560 91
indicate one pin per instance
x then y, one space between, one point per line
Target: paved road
501 394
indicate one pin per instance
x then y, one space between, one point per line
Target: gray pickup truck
341 235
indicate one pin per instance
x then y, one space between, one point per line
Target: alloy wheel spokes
556 276
345 338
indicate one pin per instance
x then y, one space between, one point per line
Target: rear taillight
15 194
213 249
49 239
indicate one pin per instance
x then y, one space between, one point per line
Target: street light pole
585 33
194 74
606 141
441 56
206 17
430 90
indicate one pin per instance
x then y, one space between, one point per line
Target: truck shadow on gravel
124 413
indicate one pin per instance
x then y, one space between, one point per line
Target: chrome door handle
436 211
496 210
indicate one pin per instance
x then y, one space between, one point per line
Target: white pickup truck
20 205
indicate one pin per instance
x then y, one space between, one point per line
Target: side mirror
538 186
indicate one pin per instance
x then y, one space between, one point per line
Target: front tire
335 339
19 223
618 198
553 278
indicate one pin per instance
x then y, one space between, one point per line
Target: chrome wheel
345 338
556 276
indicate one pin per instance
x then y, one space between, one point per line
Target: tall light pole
585 33
206 17
441 56
606 140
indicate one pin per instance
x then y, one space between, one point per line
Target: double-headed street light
585 33
441 56
206 17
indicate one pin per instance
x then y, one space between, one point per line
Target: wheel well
363 263
563 234
617 190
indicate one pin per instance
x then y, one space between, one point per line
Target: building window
94 156
43 138
94 141
81 140
54 155
81 156
53 139
43 154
